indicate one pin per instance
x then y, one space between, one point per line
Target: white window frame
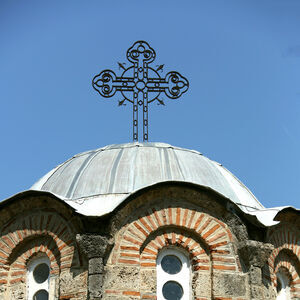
32 285
183 277
284 293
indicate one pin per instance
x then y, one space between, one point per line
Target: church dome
97 181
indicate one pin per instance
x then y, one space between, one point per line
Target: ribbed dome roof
96 181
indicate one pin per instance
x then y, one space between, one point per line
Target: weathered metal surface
140 84
97 181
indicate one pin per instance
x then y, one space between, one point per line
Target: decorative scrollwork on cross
140 84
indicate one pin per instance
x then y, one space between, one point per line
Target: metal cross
140 84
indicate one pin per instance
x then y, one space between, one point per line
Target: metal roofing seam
125 168
76 178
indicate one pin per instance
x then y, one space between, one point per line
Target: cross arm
107 83
173 85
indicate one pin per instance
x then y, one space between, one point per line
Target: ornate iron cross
140 84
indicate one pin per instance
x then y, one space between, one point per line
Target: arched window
173 275
283 285
38 278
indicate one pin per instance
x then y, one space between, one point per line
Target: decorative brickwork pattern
214 234
286 255
206 240
293 274
200 259
43 233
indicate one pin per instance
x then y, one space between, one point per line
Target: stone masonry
114 256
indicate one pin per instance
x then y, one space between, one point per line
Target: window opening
41 273
41 295
171 264
173 275
38 278
283 286
172 290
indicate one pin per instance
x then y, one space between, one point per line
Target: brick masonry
207 241
35 234
115 257
285 256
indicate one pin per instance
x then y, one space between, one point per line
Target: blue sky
242 59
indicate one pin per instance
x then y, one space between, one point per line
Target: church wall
115 256
285 257
40 232
182 218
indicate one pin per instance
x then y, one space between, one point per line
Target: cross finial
140 84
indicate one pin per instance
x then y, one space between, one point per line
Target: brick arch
17 269
286 267
213 232
285 239
37 227
290 263
285 255
170 236
295 282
